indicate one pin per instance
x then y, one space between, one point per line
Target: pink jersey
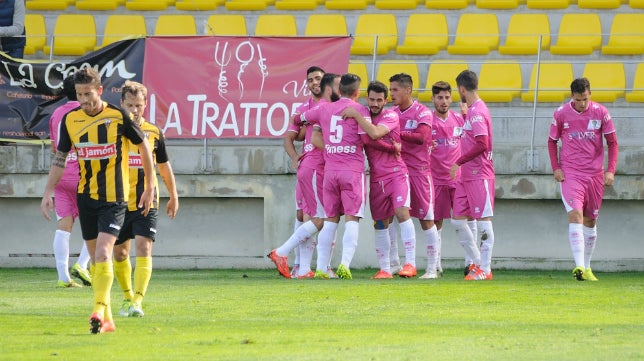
477 122
446 136
384 165
343 148
416 156
72 170
582 144
312 157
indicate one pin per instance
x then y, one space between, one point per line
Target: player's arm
289 147
317 139
55 173
420 136
374 132
165 170
613 152
147 198
553 153
381 145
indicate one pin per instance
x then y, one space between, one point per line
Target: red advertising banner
233 87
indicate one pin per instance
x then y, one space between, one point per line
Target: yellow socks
102 279
123 273
142 274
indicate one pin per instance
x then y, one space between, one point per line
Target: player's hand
349 112
46 206
609 178
453 171
295 161
147 198
398 148
172 207
559 175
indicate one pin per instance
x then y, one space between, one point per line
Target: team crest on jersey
594 124
91 151
107 122
458 131
566 125
411 124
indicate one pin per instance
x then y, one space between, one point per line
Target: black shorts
100 216
137 225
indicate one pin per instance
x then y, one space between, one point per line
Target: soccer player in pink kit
65 204
415 127
447 128
579 168
344 190
474 194
389 181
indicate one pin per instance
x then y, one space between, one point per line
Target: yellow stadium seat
476 34
554 83
119 27
198 5
579 34
296 4
146 5
345 4
446 4
426 34
599 4
500 82
547 4
276 25
326 25
175 25
626 35
244 5
74 34
524 31
442 71
636 4
387 69
46 5
98 5
36 33
370 25
497 4
396 4
637 93
607 81
360 69
226 24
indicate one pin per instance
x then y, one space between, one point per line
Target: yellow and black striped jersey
102 146
156 140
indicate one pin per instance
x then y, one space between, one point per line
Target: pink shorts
344 193
443 201
308 192
387 195
65 201
474 199
422 197
583 193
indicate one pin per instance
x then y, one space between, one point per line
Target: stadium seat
396 4
276 25
637 93
626 35
524 31
46 5
607 80
500 82
175 25
36 33
387 69
296 4
98 5
226 24
547 4
74 34
370 25
146 5
599 4
345 4
245 5
476 34
636 4
442 71
198 5
554 82
497 4
326 25
426 34
446 4
579 34
360 69
119 27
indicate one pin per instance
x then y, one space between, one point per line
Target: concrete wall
237 203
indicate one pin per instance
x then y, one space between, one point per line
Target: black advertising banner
30 91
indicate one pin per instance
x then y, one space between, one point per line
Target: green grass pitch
222 315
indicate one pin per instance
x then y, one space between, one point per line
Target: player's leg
572 196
